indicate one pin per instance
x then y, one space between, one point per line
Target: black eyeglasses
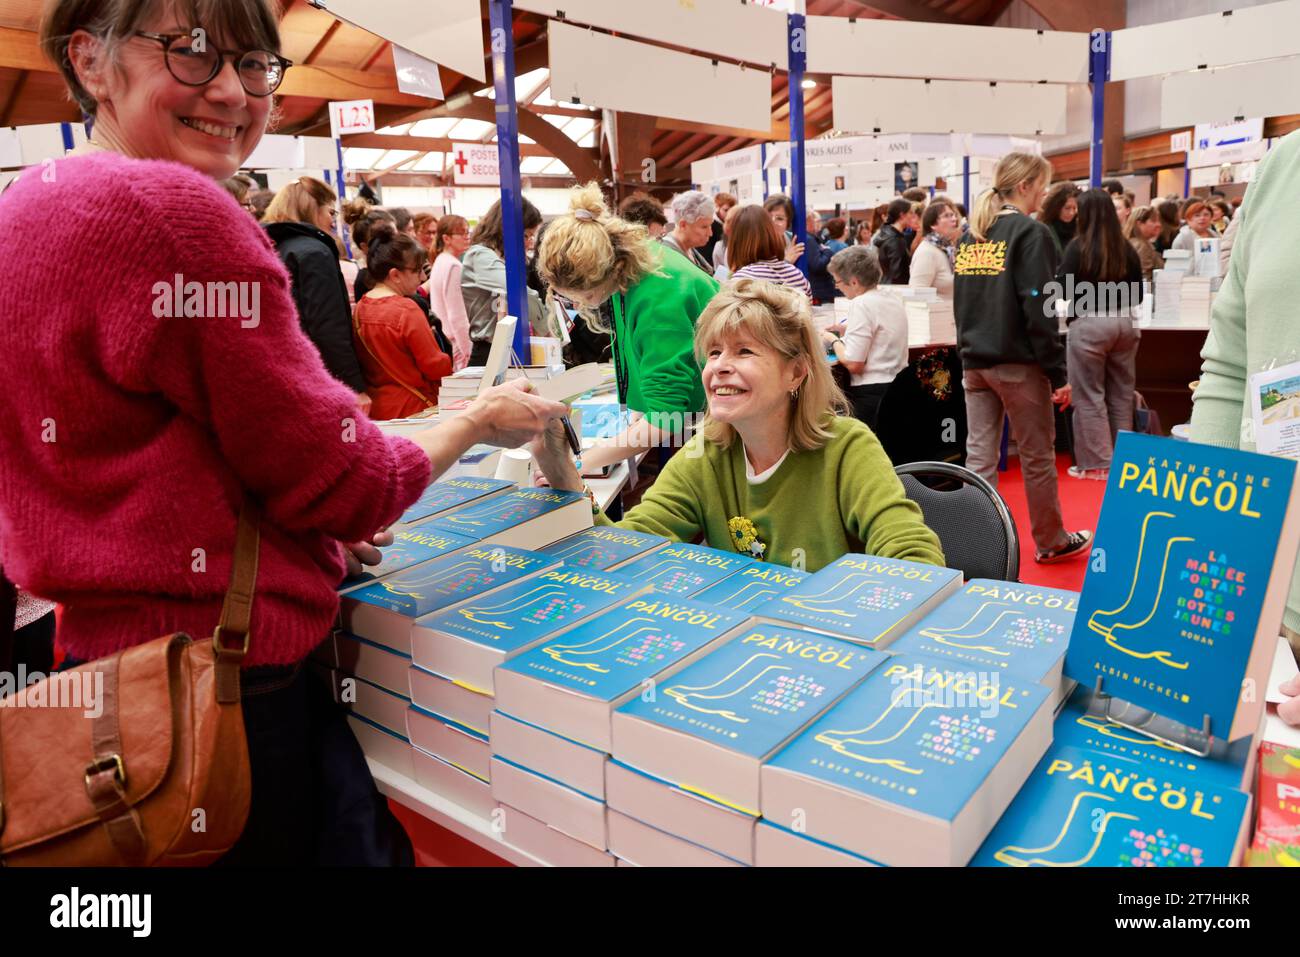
196 63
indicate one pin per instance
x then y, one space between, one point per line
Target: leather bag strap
106 774
230 640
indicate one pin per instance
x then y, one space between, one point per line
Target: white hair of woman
692 206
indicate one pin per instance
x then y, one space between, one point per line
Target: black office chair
974 525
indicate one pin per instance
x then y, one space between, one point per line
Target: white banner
737 163
1208 136
902 48
944 106
1241 153
449 32
475 164
351 116
655 81
744 31
11 149
416 75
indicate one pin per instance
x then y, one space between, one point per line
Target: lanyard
620 360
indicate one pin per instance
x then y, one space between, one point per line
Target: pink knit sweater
128 440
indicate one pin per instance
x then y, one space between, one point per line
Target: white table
460 821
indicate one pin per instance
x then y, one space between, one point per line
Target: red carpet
1080 505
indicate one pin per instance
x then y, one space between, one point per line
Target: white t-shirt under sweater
875 332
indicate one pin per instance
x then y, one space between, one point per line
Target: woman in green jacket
589 257
1253 329
774 472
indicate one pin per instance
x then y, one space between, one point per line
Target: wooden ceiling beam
905 10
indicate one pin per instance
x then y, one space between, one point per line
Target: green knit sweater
843 497
654 339
1254 318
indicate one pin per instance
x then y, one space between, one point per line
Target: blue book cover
411 546
757 689
685 570
528 611
452 493
1082 727
1084 809
863 598
613 653
446 581
752 586
603 547
916 734
1018 629
1187 546
501 512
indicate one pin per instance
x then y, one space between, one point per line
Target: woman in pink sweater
449 244
151 408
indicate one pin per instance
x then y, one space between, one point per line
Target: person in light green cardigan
1253 326
774 472
590 257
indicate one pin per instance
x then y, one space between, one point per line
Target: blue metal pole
762 153
1098 74
965 181
343 195
512 199
68 142
798 34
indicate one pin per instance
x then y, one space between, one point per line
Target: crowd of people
426 293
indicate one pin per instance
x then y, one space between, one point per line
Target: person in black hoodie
300 222
892 247
1011 352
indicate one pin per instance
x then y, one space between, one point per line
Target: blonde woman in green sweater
655 294
1254 326
774 472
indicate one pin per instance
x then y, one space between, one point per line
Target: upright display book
569 685
863 598
753 586
604 547
685 570
441 497
914 766
1083 809
1184 593
710 728
1083 724
525 518
411 546
1277 828
998 625
467 642
383 611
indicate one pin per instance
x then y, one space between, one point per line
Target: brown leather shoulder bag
137 759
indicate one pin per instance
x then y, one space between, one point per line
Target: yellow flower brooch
745 537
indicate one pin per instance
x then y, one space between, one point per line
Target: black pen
572 436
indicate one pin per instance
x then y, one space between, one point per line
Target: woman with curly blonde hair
804 484
590 257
